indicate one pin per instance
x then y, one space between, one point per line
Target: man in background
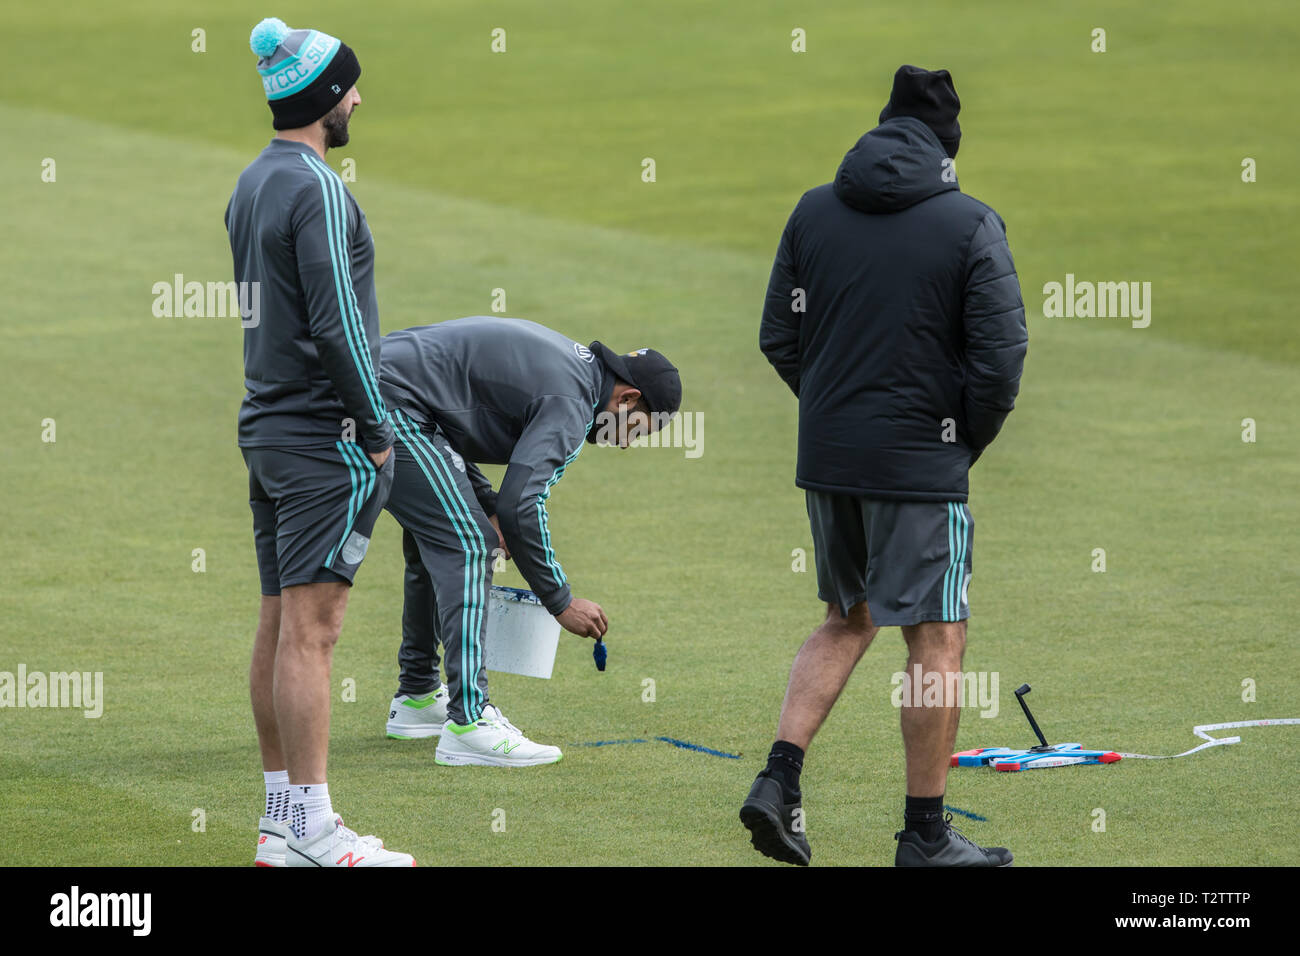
894 315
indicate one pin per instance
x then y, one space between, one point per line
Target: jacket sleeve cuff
379 437
558 600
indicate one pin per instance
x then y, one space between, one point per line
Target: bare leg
930 733
261 681
311 618
820 671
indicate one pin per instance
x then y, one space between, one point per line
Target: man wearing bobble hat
313 429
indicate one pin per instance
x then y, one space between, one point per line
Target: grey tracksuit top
311 360
504 392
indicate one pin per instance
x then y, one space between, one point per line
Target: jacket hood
896 165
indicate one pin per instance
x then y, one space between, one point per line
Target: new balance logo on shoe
348 856
491 741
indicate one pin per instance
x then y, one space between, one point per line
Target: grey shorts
909 560
313 511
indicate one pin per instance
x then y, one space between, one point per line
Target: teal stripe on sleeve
557 573
336 230
367 369
358 323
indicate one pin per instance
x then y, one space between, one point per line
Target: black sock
924 816
785 763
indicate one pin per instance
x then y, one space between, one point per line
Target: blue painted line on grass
966 813
606 743
706 750
684 745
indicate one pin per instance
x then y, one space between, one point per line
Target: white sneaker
411 719
338 846
491 741
271 837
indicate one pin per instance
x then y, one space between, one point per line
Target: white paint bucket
521 636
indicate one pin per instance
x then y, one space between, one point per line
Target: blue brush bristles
599 653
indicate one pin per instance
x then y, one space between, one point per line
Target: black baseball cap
647 370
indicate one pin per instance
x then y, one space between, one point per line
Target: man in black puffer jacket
894 315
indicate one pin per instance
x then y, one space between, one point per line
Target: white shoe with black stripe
338 846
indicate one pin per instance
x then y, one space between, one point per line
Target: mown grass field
522 171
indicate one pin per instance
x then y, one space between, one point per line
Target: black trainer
951 849
771 822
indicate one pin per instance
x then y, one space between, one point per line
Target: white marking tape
1202 732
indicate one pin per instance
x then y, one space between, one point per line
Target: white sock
277 795
310 809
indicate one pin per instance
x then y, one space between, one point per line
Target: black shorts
909 560
313 511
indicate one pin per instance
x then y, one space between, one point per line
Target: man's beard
336 126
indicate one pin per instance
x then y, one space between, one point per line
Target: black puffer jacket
906 356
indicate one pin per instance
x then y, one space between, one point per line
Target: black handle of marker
1020 696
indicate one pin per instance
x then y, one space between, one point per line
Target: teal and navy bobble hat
305 72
